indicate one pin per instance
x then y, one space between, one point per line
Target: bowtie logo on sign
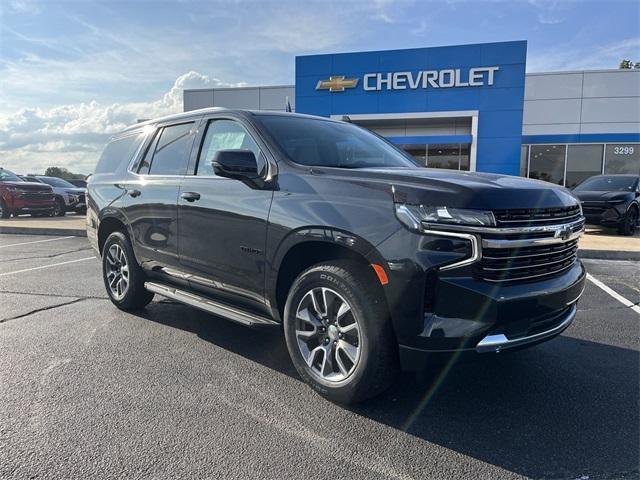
446 78
337 83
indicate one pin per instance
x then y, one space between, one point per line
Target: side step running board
208 305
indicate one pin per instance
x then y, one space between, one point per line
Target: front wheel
59 210
123 277
4 211
338 332
629 223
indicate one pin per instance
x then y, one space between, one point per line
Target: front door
223 222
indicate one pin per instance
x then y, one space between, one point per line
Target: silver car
69 198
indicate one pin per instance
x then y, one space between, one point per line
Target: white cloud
73 135
562 57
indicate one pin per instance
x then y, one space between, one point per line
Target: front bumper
32 203
467 308
605 215
473 315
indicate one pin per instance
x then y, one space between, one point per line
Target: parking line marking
614 294
36 241
46 266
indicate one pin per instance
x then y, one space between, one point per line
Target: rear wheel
629 223
123 277
59 210
338 332
4 211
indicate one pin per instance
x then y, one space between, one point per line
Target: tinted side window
118 152
225 135
172 147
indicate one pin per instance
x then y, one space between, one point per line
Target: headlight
72 198
413 215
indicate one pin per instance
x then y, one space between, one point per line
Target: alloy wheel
328 334
117 271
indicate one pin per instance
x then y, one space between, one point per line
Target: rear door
152 203
223 222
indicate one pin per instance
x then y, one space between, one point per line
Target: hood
486 191
28 186
587 196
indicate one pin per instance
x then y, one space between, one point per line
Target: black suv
611 201
368 262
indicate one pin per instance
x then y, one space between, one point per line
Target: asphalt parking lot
89 391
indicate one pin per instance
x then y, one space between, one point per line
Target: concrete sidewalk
597 243
67 225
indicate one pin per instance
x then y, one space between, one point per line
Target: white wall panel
554 129
551 111
612 84
274 98
194 99
548 86
610 127
248 98
614 110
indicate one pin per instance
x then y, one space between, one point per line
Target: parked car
368 262
69 198
611 201
18 196
78 182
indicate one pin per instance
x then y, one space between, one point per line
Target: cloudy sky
72 73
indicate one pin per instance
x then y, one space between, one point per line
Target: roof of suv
204 111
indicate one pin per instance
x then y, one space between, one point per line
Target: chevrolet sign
445 78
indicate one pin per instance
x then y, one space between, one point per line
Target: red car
18 196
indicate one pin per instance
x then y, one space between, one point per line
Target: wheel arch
306 247
110 222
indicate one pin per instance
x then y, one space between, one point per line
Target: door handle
190 196
133 192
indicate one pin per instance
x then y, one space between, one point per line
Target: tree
629 65
62 172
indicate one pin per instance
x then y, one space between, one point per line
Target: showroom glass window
583 161
622 158
547 163
453 156
419 152
225 135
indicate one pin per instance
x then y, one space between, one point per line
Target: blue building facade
483 84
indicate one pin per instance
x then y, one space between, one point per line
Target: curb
44 231
608 255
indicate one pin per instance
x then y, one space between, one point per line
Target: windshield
7 176
317 142
56 182
607 184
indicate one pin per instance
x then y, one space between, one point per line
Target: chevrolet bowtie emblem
337 83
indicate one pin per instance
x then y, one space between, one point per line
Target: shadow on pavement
565 409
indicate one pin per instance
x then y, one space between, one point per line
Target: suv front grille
519 264
525 217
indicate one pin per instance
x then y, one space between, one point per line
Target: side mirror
237 164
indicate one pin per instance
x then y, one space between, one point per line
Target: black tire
135 296
629 223
377 361
60 209
4 211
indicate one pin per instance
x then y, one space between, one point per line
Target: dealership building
467 107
